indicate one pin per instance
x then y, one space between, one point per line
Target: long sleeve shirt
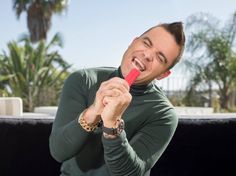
150 122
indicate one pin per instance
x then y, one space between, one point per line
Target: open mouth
138 64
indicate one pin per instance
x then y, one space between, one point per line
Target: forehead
163 41
158 32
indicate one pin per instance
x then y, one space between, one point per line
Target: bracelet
87 127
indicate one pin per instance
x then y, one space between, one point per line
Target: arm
67 137
137 156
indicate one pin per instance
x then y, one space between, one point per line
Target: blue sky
96 32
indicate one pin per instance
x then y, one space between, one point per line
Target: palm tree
212 57
39 14
30 71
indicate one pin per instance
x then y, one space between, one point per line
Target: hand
116 98
92 114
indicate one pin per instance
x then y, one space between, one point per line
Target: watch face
115 131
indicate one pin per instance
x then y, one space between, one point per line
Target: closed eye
162 60
146 43
161 57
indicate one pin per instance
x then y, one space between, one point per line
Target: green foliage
212 56
232 109
30 71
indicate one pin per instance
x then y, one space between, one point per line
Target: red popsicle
131 77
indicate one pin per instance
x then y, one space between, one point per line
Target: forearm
72 136
67 140
120 158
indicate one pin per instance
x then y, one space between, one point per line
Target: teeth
139 65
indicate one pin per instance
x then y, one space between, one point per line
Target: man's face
152 54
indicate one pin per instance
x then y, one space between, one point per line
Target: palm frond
29 69
57 40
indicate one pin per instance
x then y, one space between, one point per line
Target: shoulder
93 73
99 73
159 98
163 110
90 75
87 79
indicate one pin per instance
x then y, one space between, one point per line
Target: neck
136 89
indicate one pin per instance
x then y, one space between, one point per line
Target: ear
164 75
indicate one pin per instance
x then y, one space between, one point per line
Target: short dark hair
176 30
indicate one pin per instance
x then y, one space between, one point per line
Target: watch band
115 131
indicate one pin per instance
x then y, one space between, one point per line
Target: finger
113 100
114 93
109 93
120 81
121 99
116 83
106 100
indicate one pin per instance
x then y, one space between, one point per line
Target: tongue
131 77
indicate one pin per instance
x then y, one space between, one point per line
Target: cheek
125 58
156 66
157 69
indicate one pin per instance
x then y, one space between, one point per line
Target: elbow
54 150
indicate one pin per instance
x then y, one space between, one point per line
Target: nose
148 55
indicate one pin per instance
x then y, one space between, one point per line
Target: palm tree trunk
38 21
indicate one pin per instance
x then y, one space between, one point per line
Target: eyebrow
161 53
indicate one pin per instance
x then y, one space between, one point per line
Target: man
103 126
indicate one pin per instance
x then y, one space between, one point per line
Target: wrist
110 123
115 130
91 116
88 123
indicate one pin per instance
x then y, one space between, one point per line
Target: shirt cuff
109 142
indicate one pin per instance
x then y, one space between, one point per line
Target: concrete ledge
11 106
194 110
50 110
